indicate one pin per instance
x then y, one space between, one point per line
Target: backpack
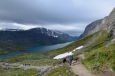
71 57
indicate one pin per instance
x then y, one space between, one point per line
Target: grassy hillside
18 72
61 71
45 58
9 46
98 55
37 59
46 55
70 47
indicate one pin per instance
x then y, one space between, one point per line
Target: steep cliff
107 23
92 28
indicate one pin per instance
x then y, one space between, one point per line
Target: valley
41 52
15 40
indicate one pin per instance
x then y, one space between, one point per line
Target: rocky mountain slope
92 28
107 23
36 34
99 50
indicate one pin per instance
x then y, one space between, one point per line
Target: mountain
98 52
98 40
35 35
92 28
12 39
107 23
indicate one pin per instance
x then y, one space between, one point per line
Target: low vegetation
36 59
18 72
9 46
61 71
46 58
70 47
45 55
98 55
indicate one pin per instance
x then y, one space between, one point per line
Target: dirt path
79 69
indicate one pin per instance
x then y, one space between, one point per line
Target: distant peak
113 11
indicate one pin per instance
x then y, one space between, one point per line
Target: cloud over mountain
73 14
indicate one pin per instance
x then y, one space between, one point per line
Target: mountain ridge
106 23
100 49
19 40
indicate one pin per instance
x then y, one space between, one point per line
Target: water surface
37 49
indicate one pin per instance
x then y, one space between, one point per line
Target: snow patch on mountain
55 36
60 56
63 55
80 47
52 33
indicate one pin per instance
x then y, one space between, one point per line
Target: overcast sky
69 16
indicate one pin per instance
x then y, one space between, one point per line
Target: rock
110 34
92 28
107 23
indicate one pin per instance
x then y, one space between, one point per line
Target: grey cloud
42 12
73 32
7 25
52 12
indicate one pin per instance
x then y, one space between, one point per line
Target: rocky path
43 73
79 69
43 69
25 67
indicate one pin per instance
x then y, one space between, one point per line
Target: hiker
77 59
70 59
64 60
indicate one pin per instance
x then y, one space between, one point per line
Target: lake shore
36 49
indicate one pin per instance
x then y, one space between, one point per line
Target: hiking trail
79 69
